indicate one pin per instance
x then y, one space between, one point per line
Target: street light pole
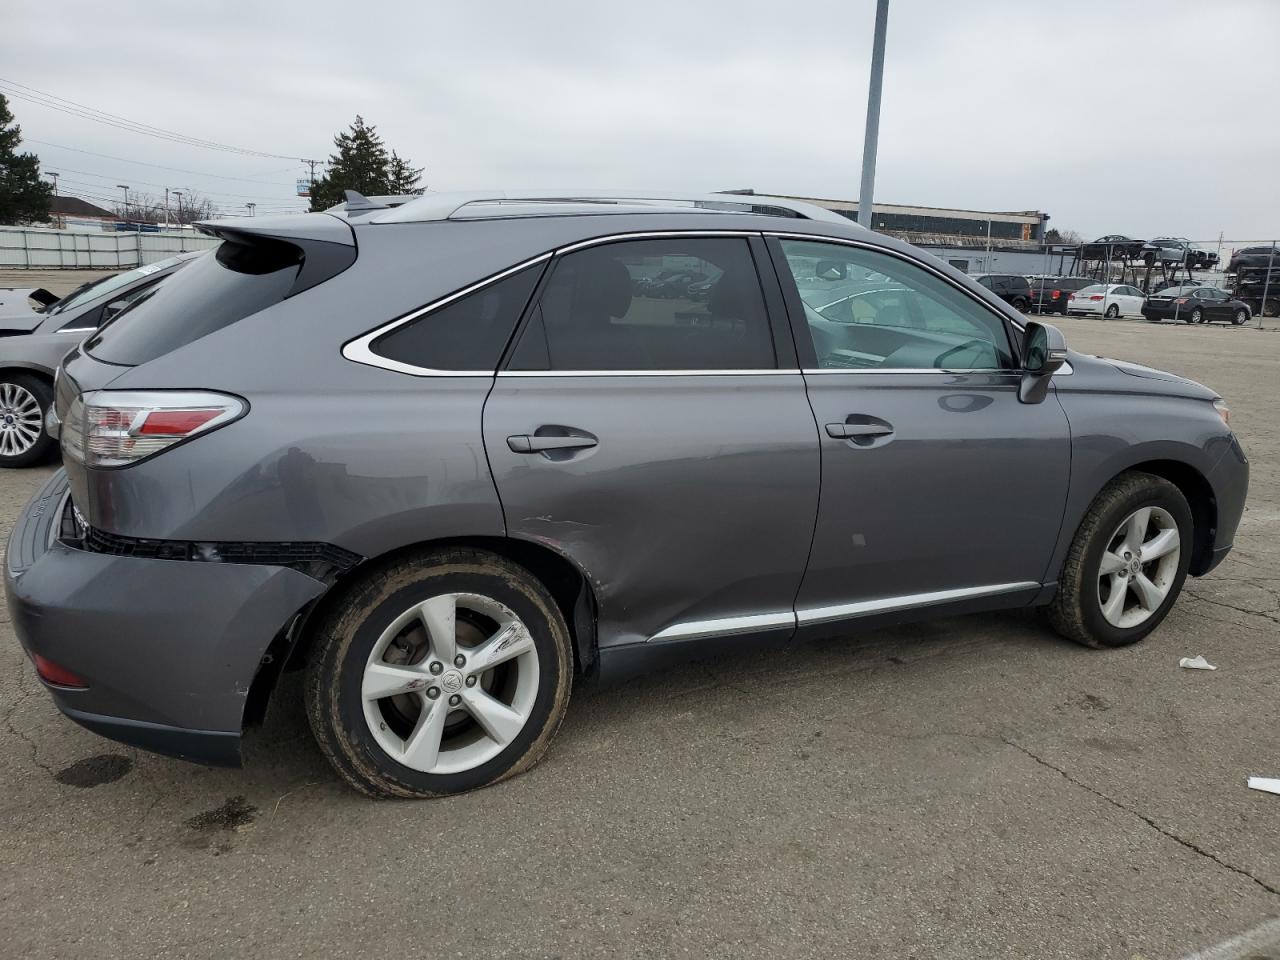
872 140
251 207
178 194
57 217
125 188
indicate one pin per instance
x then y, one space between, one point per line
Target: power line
158 166
122 123
152 183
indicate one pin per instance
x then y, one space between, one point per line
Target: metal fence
53 249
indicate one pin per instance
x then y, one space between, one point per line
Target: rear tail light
1056 294
59 676
115 428
1096 296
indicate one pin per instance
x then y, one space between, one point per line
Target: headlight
1223 410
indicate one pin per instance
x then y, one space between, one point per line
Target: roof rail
451 206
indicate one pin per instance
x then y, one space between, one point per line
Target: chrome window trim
863 608
359 349
725 626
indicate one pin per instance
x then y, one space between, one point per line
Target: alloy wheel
21 420
450 683
1139 567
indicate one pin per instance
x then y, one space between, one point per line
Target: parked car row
1187 301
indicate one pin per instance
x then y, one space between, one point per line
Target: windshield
98 288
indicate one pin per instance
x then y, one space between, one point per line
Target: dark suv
1012 288
449 457
1051 294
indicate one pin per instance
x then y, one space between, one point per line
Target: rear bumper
169 648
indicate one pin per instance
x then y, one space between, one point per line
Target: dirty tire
347 633
44 446
1076 611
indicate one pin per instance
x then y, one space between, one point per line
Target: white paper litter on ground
1196 663
1268 784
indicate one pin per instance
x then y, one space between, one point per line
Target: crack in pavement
23 696
1231 606
1194 848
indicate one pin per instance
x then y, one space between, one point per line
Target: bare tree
141 208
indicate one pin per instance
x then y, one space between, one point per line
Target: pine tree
401 177
24 197
362 164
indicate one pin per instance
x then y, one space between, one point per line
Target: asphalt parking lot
973 787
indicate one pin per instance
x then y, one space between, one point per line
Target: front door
938 485
651 425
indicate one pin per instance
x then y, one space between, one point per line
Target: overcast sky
1114 116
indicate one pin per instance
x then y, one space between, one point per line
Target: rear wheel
24 399
444 672
1113 311
1021 304
1126 564
1196 316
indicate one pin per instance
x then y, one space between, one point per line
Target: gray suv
450 456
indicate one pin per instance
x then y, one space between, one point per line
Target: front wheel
24 399
1126 564
1241 317
444 672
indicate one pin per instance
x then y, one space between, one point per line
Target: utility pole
178 194
166 208
57 217
872 141
125 188
312 183
251 206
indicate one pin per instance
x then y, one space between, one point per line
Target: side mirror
1044 351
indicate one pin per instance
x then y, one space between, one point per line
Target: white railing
53 249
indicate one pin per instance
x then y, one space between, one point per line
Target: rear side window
210 293
691 303
466 334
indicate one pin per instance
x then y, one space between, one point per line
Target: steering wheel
941 360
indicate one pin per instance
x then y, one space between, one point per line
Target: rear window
213 292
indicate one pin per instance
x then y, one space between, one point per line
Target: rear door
661 439
938 485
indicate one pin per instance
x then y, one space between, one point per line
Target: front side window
681 304
870 311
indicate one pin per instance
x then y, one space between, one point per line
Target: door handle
524 443
853 431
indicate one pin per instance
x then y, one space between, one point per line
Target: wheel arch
571 589
1197 490
20 366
